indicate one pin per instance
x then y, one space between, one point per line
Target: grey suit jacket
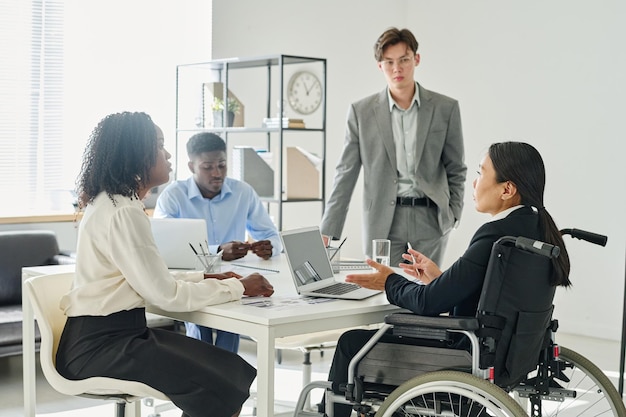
369 144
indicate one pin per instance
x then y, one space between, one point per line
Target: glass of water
381 249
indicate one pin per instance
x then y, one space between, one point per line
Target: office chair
45 292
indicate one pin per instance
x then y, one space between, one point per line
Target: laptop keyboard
337 289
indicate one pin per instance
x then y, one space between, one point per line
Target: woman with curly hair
119 271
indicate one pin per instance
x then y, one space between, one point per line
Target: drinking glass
381 250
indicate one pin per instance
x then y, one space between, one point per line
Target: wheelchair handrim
448 383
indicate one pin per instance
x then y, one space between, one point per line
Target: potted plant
218 111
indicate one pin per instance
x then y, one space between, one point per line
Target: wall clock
304 92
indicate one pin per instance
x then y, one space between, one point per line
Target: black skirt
201 379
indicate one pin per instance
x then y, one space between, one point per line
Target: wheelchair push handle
537 246
584 235
531 245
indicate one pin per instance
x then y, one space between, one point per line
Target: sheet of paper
277 303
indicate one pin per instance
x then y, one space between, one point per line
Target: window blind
31 107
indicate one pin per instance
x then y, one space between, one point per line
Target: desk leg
265 350
28 349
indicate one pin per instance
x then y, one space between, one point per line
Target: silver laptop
172 238
311 270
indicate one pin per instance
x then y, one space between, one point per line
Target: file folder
302 174
250 167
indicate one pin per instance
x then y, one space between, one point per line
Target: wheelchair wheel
449 393
595 394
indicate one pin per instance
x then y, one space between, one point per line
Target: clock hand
306 88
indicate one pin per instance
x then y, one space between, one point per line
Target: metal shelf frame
221 69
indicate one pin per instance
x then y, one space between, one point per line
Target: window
64 68
31 103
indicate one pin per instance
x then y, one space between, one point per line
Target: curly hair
522 164
118 157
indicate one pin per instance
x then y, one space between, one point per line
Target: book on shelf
287 122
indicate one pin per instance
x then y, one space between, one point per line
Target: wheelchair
508 365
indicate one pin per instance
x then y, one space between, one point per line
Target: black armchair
19 249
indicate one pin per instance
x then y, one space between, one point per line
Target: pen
338 247
256 267
411 247
201 258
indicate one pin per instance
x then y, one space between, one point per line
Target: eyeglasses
405 61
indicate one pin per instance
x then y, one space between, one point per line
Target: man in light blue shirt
230 208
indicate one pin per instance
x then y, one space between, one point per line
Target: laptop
311 270
172 238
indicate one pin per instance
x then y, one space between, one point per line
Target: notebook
172 238
311 270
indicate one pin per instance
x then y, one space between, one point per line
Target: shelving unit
260 85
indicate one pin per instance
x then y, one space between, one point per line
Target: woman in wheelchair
510 187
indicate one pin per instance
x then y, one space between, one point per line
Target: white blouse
118 266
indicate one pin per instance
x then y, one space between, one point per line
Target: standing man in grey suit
410 144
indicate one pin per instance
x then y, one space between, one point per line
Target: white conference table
263 324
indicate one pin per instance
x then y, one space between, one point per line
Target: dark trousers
348 346
223 339
201 379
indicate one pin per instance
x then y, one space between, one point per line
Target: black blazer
458 289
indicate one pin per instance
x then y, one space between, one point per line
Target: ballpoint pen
255 267
200 258
411 248
338 247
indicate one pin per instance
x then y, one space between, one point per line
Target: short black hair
205 142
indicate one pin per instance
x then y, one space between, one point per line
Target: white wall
122 56
549 73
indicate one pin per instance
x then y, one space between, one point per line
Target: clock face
304 92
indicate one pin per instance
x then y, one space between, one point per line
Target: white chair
45 292
307 343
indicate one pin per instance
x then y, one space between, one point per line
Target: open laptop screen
172 238
307 255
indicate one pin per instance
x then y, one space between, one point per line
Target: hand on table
421 267
234 250
256 285
375 280
262 248
223 275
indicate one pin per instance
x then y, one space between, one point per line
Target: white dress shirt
118 266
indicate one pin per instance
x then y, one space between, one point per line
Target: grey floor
603 353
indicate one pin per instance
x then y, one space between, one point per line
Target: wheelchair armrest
440 322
